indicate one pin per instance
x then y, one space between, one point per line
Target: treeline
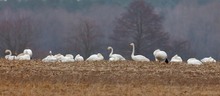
70 5
88 31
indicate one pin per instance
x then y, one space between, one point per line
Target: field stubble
125 78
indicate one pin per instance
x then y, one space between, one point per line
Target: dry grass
105 78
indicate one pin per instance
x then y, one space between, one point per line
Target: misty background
87 26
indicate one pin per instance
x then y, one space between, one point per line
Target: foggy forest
190 28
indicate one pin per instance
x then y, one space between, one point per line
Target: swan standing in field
79 58
114 57
9 56
28 51
208 60
137 57
49 58
176 59
194 61
68 58
160 55
95 57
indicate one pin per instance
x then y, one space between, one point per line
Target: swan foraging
160 55
79 58
116 57
49 58
208 60
95 57
176 59
9 56
138 57
194 61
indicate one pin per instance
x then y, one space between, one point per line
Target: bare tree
181 47
86 38
16 33
141 25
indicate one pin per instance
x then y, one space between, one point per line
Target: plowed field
124 78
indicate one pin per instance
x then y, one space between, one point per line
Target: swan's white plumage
176 59
28 51
59 57
138 57
50 58
23 56
194 61
79 58
160 55
116 57
208 60
112 59
68 58
9 56
95 57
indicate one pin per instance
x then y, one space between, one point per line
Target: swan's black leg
166 61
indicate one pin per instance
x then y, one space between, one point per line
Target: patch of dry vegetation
125 78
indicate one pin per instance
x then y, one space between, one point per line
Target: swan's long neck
111 52
50 53
133 50
10 53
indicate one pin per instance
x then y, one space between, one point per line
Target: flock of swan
160 56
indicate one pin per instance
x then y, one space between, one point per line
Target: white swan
68 58
23 56
9 56
49 58
114 57
79 58
208 60
160 55
176 59
59 57
28 51
138 57
194 61
95 57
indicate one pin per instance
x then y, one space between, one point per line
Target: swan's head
109 48
50 52
132 44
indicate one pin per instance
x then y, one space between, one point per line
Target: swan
208 60
113 59
176 59
194 61
116 57
160 55
23 56
9 56
59 57
68 58
138 57
95 57
79 58
49 58
28 51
